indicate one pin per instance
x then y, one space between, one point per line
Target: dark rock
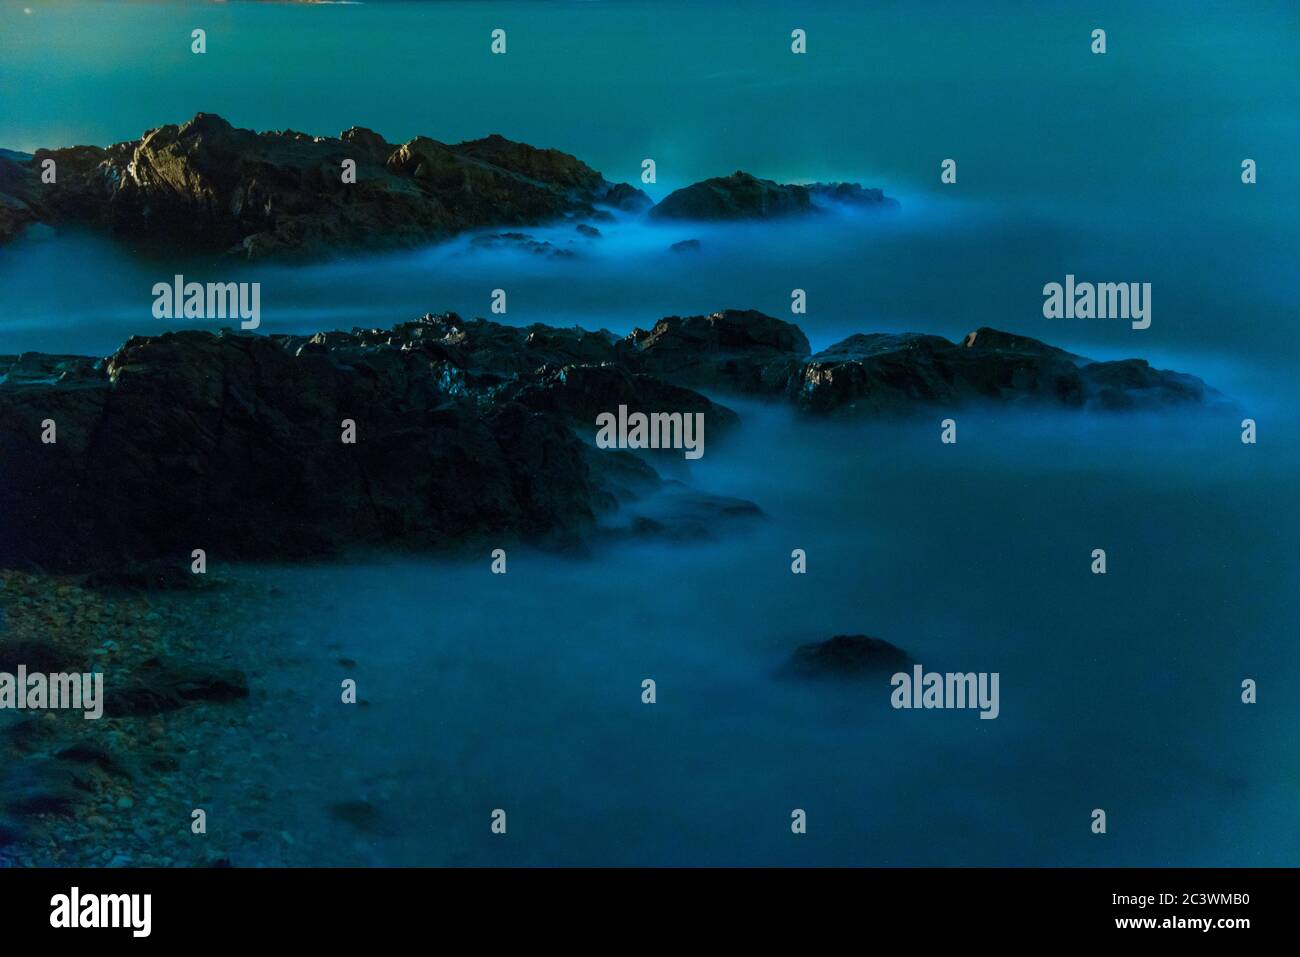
850 194
743 196
28 734
1132 384
232 443
744 351
847 656
159 686
738 196
582 392
467 431
37 368
686 246
589 231
88 753
163 574
521 241
894 373
209 187
676 513
40 785
361 814
627 198
38 656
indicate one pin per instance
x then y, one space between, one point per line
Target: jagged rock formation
846 656
466 430
205 185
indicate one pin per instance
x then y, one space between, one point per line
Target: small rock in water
845 656
361 814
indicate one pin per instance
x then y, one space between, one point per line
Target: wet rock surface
465 430
893 373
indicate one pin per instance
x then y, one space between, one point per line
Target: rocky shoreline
442 433
467 431
207 187
117 791
469 434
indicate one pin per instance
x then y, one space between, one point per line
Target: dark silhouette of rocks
207 186
885 372
467 432
744 196
846 656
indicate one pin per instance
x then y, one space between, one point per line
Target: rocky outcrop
846 656
17 180
890 373
234 443
743 196
207 186
465 431
738 350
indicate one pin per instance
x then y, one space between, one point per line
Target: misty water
523 691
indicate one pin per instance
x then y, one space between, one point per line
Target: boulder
846 656
886 373
744 196
739 350
466 430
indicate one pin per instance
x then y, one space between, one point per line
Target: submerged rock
207 186
847 656
359 813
